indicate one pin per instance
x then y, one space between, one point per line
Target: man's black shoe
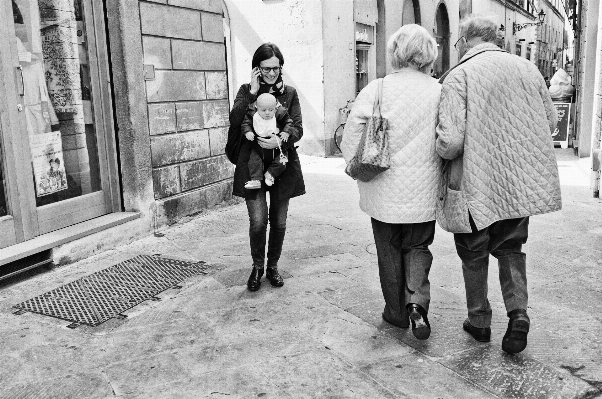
478 333
254 282
275 278
515 339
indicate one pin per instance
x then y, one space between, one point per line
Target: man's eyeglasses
268 70
458 42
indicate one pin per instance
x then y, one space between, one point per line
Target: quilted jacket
407 192
495 122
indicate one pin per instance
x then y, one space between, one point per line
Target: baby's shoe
269 179
253 185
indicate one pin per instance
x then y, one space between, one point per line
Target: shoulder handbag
233 144
372 156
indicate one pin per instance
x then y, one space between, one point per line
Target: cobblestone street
321 335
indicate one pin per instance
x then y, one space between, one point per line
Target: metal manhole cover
96 298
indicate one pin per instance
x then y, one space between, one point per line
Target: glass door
62 122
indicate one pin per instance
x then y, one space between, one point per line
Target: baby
266 119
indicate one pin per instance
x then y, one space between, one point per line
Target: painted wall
296 28
339 64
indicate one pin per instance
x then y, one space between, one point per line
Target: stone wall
187 104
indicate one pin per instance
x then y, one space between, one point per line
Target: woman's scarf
277 88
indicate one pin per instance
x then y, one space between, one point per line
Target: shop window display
55 90
361 67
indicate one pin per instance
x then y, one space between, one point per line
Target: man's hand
250 136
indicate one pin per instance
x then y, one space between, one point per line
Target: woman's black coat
290 183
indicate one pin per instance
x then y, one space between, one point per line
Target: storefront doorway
57 153
442 35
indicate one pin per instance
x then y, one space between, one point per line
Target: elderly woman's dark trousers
259 216
404 262
504 240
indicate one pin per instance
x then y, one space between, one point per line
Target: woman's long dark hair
265 52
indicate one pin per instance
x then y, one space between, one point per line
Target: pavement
321 335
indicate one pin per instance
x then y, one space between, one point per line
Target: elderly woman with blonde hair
402 200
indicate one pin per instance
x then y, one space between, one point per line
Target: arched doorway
442 34
411 12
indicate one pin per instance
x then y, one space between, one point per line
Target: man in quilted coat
495 123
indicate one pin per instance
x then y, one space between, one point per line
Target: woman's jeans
504 240
258 219
404 262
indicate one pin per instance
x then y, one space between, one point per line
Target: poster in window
48 163
561 133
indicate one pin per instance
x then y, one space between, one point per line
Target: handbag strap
379 98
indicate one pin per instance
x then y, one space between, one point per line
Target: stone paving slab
415 377
574 344
286 376
317 251
338 263
517 376
71 386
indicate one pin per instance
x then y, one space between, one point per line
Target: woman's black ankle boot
254 282
274 277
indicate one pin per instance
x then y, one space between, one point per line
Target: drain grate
96 298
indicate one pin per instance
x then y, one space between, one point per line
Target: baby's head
266 105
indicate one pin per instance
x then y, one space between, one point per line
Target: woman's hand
268 143
255 74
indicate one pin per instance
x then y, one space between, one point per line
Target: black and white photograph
300 199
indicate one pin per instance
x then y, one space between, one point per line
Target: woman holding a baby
268 114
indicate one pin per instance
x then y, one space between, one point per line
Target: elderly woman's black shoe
254 282
421 327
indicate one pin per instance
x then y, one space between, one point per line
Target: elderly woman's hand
268 143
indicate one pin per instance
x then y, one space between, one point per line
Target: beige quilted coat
407 192
495 123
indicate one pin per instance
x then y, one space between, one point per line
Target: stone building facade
157 81
155 111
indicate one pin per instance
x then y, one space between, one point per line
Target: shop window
519 48
361 66
364 39
53 54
